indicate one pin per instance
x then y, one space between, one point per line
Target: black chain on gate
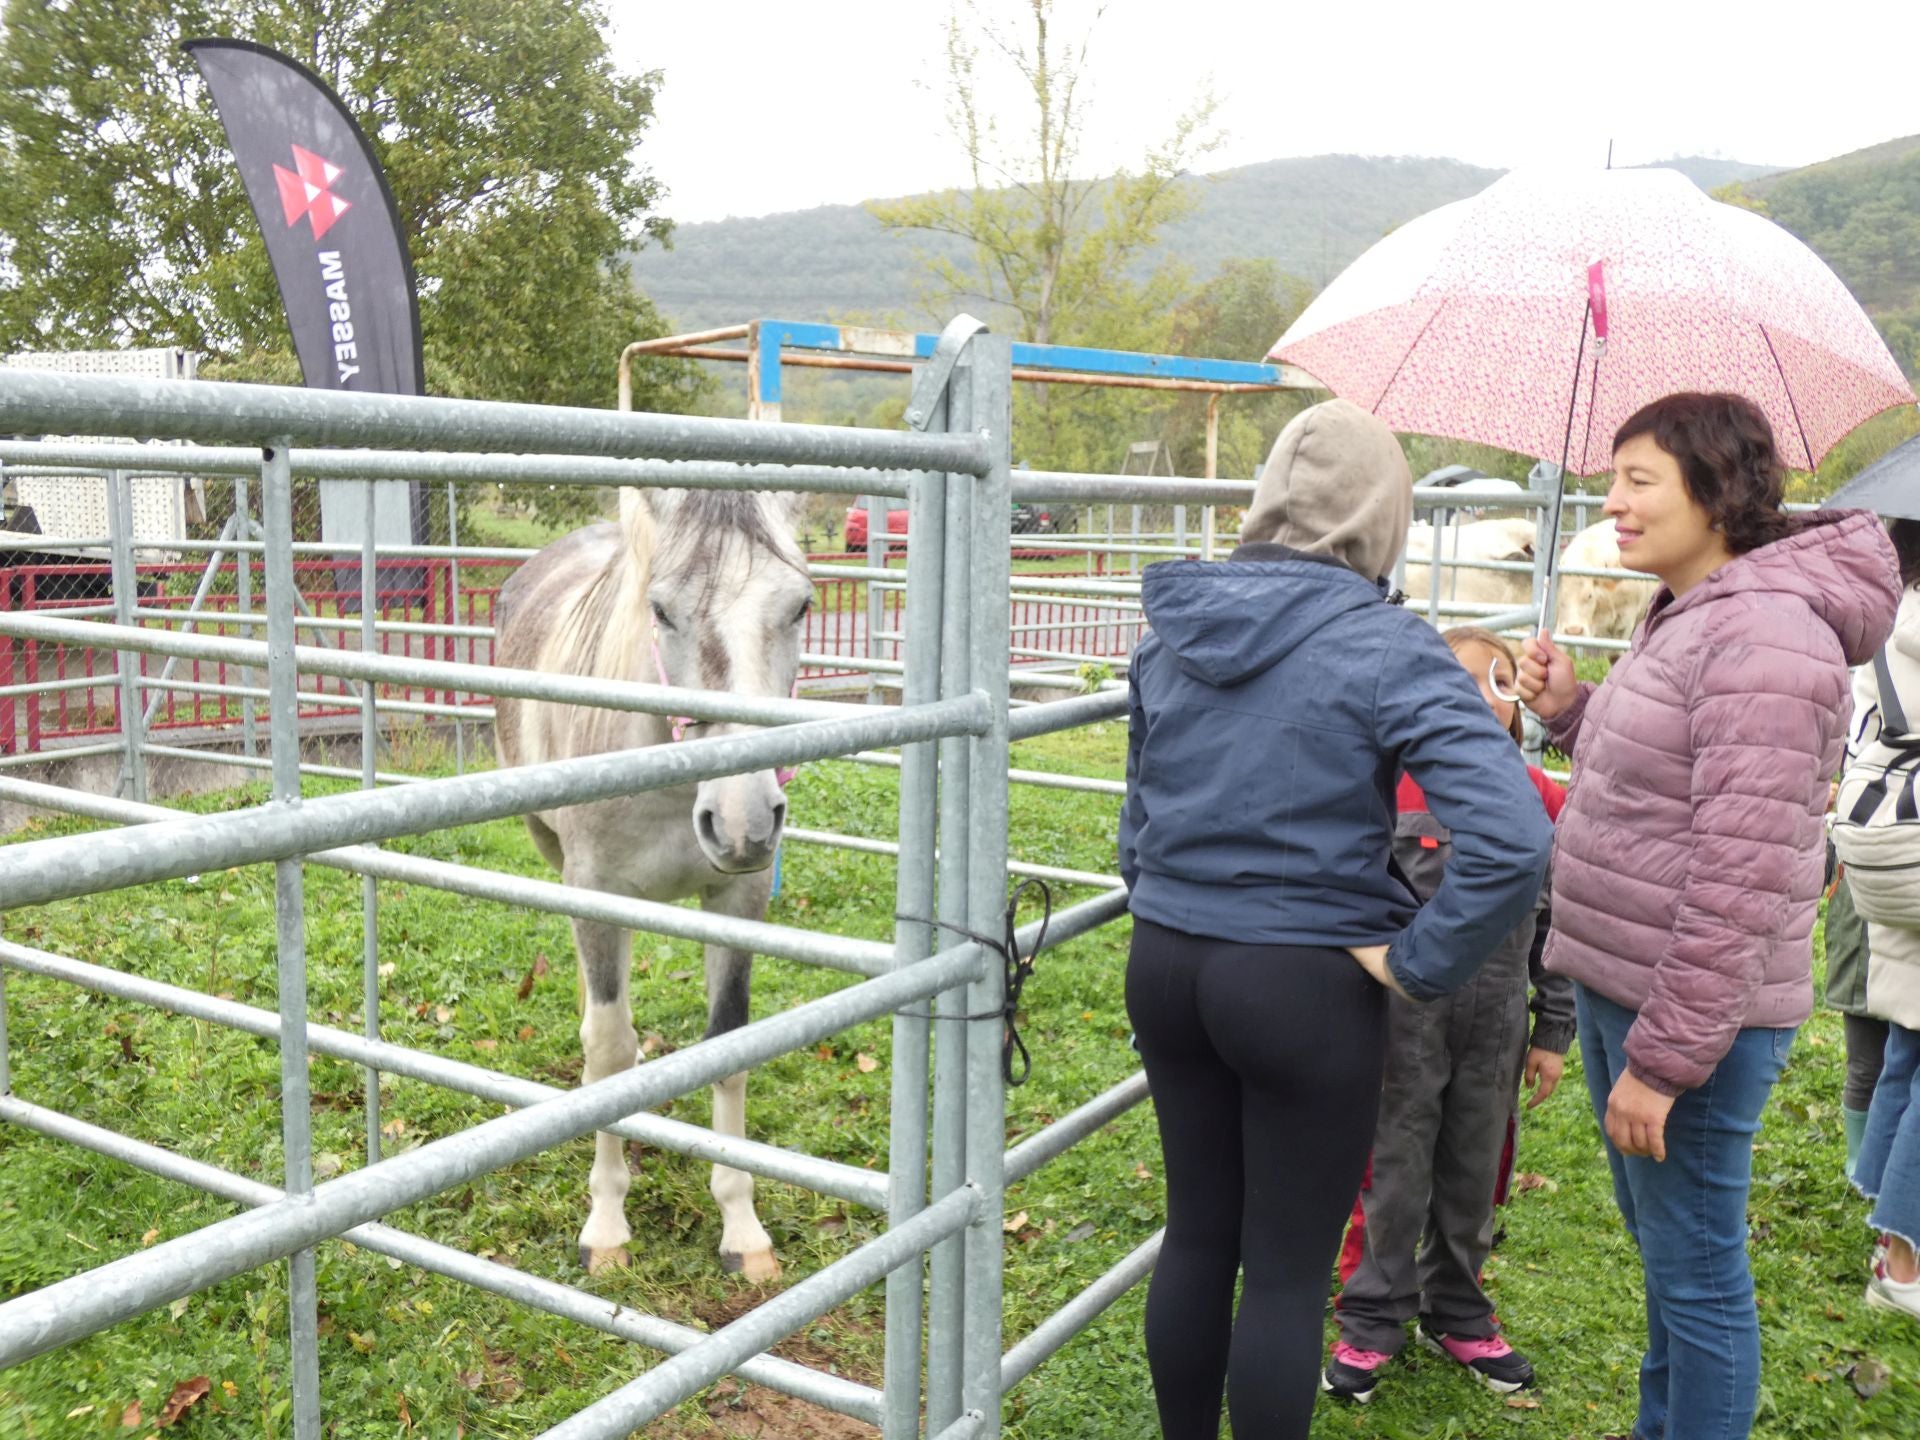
1018 965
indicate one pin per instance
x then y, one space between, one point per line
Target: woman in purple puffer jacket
1689 858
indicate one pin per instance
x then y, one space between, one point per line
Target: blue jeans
1888 1170
1700 1377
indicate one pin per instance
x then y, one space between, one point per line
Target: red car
857 525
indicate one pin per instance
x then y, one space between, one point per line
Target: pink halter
784 777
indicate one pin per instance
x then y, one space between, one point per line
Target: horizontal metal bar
257 620
618 1415
631 695
1073 1127
827 1177
262 762
1067 714
1122 489
1029 585
69 1310
55 542
1073 922
59 869
1070 1319
502 469
42 402
565 1301
1041 779
345 551
50 687
832 952
836 841
316 697
66 752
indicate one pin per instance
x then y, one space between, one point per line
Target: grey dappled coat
1689 858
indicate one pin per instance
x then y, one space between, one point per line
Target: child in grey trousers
1453 1076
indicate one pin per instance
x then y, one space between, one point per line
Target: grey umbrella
1890 486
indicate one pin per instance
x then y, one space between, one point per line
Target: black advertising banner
332 229
340 256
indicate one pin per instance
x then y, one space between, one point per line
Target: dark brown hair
1905 535
1727 459
1461 636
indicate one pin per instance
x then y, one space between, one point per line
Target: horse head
727 598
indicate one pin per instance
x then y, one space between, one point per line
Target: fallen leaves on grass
1869 1378
1530 1181
130 1417
539 971
185 1395
865 1063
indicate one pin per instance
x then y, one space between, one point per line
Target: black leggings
1264 1062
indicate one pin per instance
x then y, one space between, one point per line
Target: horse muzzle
738 822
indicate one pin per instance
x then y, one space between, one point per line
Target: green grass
1565 1278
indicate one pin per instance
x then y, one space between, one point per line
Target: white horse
704 589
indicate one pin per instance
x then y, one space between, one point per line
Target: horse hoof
759 1267
596 1261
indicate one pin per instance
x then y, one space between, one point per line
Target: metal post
945 1313
126 596
369 888
453 582
1438 531
991 381
290 916
919 784
876 597
6 1073
243 587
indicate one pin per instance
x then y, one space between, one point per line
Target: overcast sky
783 104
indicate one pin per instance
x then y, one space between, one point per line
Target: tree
1063 258
1237 315
504 130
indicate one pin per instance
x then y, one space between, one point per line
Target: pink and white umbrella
1541 313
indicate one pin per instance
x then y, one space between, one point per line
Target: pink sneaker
1351 1373
1490 1359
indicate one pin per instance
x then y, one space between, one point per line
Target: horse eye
805 610
660 617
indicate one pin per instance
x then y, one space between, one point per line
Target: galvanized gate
946 1368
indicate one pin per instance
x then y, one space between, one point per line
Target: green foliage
503 127
1236 315
1861 214
1061 260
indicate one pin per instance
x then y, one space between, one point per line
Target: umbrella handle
1493 684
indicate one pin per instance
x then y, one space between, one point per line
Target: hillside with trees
1861 213
1309 216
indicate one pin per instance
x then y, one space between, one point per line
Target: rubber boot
1856 1125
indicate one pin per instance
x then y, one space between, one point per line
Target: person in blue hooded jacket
1274 704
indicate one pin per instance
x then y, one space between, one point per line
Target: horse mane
609 632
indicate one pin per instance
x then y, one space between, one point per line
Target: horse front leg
745 1247
609 1044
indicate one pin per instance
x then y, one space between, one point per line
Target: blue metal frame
774 335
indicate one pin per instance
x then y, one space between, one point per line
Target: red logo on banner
307 193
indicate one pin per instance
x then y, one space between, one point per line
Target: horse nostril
779 815
709 832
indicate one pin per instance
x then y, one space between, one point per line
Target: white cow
1603 609
1474 540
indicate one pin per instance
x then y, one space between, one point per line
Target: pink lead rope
681 722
